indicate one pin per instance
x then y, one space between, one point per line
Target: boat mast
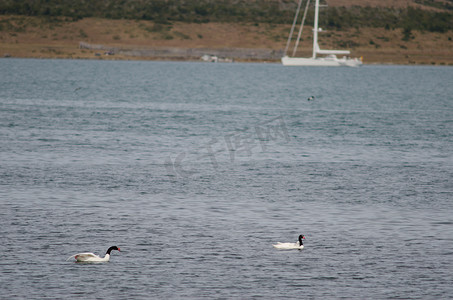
292 27
315 29
301 28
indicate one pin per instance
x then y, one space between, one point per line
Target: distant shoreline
122 57
34 37
276 62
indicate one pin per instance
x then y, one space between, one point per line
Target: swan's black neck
300 240
110 249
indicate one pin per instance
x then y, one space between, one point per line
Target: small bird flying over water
93 258
287 246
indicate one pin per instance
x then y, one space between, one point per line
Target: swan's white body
90 257
93 258
288 246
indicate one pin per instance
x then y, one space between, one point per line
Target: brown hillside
381 3
35 37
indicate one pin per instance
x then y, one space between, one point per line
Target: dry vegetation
37 37
385 3
373 3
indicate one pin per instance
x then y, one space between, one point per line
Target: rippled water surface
194 170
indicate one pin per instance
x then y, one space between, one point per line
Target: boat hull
321 62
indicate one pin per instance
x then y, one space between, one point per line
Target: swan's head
112 248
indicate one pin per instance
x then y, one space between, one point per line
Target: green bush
257 11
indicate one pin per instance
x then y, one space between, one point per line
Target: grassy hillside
384 31
38 37
438 5
431 15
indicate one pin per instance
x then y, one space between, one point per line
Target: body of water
194 170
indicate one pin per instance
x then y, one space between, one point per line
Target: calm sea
194 170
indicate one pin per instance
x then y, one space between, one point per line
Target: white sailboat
329 60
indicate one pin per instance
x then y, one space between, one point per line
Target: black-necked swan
91 257
287 246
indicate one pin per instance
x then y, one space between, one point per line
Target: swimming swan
91 257
287 246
